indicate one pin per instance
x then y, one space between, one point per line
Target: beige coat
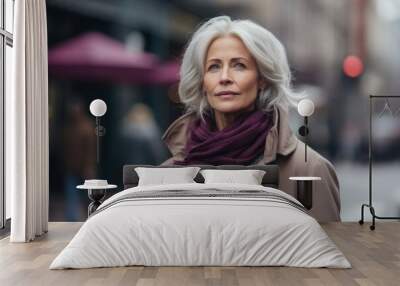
283 148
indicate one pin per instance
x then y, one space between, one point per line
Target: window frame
6 39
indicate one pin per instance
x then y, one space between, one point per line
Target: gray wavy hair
267 50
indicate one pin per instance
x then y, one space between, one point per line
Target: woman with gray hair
236 88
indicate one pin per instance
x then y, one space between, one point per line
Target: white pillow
248 177
163 176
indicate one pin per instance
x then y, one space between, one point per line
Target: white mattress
183 231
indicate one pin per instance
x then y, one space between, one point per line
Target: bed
201 224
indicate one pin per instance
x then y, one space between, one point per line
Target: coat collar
280 139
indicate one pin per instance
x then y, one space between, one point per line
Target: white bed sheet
200 231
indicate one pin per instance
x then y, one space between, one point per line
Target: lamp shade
305 107
98 107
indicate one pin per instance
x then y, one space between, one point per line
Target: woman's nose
225 77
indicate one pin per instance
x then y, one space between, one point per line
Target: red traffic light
353 66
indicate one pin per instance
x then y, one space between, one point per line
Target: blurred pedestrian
142 137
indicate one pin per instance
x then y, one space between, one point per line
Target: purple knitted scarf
238 144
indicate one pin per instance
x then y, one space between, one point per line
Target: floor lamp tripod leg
361 221
372 210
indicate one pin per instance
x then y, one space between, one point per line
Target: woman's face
230 76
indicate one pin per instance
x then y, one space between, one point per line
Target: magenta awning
94 56
166 73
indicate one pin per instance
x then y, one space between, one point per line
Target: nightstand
305 189
96 194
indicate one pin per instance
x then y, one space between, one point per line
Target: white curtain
27 173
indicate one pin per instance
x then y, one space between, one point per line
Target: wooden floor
374 255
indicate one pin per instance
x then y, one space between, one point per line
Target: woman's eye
239 65
213 67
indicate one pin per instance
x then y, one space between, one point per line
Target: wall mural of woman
236 88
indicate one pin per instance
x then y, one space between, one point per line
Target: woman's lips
226 93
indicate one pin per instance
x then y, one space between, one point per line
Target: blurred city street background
127 53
